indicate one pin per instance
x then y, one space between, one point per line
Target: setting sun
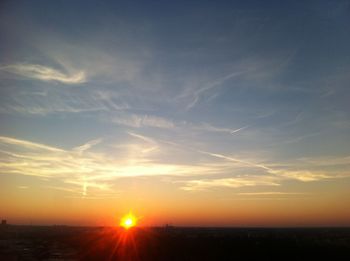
128 221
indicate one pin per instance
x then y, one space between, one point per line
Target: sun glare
128 221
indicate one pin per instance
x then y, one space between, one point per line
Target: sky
193 113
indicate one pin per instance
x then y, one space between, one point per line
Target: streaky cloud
210 128
237 182
87 170
300 174
44 73
141 137
87 145
28 144
270 193
239 129
138 121
197 92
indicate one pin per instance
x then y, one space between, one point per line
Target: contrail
237 130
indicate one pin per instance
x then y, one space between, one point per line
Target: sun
128 221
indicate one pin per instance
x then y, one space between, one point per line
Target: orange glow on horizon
128 221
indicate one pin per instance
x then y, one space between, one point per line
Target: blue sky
233 97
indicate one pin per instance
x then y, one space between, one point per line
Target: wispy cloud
86 169
326 161
298 172
273 175
302 175
270 193
142 137
87 145
22 187
44 73
237 160
47 101
247 181
211 128
137 121
196 93
28 144
87 173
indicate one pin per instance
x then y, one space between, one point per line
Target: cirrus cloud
44 73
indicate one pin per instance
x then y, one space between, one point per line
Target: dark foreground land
78 243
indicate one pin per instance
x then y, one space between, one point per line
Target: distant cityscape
171 243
